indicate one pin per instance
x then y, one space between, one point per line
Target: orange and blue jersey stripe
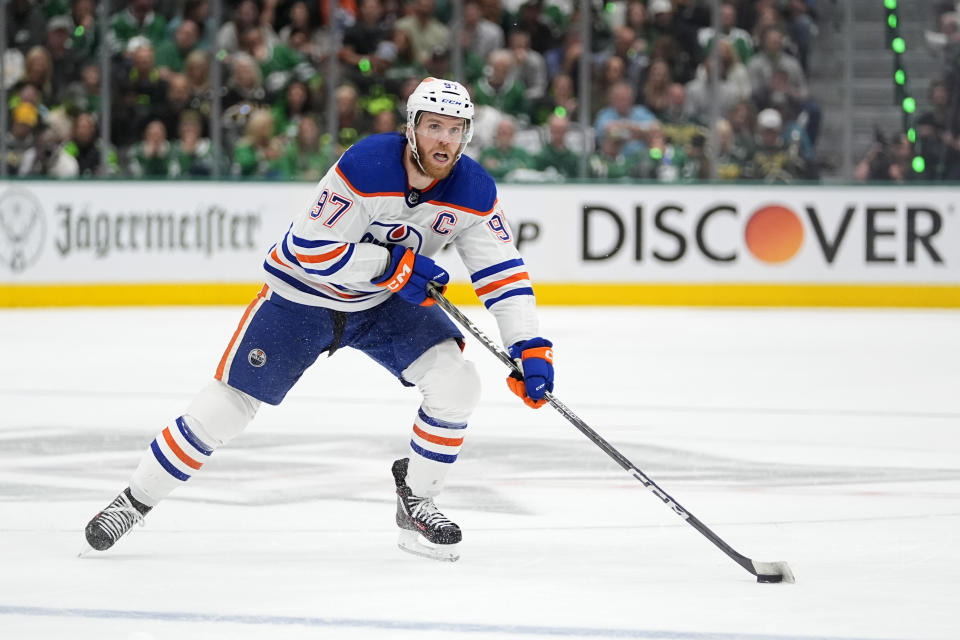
500 281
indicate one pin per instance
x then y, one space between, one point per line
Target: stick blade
773 572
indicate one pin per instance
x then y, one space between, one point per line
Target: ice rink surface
828 439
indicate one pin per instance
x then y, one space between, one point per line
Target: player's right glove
535 358
408 275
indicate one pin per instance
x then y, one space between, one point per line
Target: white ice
827 439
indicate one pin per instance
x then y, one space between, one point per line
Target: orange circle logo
774 234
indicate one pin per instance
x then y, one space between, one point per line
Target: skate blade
413 542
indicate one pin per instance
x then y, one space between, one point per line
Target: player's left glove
536 361
408 275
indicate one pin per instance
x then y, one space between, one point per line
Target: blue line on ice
400 625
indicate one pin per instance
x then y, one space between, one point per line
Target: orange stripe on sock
429 437
236 334
180 453
523 275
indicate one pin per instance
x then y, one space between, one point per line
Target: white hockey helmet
443 97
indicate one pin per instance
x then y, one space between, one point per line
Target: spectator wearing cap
624 119
137 19
24 119
773 160
426 32
499 87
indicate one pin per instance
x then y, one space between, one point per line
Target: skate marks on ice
256 469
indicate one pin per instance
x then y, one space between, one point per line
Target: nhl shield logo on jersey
257 357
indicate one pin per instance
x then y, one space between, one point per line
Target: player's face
438 140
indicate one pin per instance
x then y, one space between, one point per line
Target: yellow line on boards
676 294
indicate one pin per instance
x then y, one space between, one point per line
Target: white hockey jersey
335 247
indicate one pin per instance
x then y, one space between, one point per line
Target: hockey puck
769 578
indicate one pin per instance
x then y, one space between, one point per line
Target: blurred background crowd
677 90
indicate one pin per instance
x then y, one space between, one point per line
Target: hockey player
352 270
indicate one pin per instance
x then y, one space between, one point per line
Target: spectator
405 66
504 156
425 31
738 38
354 121
543 34
259 153
245 86
197 11
142 93
25 24
772 58
628 121
85 39
632 51
732 85
731 157
556 155
38 73
773 160
610 162
612 71
655 94
938 134
152 156
138 19
479 37
64 61
499 87
367 50
294 107
49 157
677 123
177 101
531 67
196 69
192 154
887 163
172 53
385 122
664 161
674 34
246 15
308 157
565 57
83 95
494 12
742 118
279 64
560 100
802 30
87 147
24 121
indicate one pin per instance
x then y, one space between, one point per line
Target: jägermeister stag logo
22 229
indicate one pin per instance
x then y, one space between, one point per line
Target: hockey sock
433 449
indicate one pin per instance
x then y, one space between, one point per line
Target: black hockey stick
764 571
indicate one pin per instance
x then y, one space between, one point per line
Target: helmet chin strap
412 141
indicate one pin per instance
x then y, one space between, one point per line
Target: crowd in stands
668 94
892 157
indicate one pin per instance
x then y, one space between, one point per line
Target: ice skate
424 531
116 519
